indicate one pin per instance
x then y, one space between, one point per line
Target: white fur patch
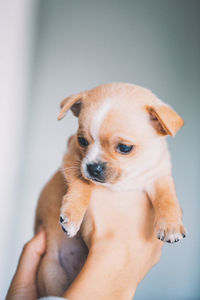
71 229
97 121
94 152
99 118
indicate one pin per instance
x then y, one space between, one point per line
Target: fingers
23 285
30 258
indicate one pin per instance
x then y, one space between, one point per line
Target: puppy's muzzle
96 171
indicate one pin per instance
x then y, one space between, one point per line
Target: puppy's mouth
87 176
96 179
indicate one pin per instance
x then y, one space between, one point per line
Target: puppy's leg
76 200
168 214
74 205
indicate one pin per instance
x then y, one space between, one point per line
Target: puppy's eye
122 148
83 142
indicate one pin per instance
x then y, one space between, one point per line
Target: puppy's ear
164 119
73 102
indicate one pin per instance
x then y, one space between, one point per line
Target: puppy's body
120 148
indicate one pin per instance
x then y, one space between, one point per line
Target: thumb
25 276
30 258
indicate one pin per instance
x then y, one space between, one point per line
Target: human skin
102 277
23 285
122 246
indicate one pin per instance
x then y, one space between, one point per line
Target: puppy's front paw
70 222
169 232
68 227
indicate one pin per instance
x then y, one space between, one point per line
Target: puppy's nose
96 170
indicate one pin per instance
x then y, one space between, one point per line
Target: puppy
120 145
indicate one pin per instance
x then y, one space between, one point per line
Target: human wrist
107 264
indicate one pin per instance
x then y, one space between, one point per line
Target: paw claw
63 228
63 219
169 241
160 236
170 232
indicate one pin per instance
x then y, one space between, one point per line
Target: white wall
17 31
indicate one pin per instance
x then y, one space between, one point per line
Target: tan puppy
119 146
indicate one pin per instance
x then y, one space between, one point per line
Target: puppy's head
121 130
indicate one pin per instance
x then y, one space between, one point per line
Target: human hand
23 285
122 247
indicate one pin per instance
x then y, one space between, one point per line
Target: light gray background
81 44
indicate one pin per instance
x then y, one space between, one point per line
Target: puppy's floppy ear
72 102
164 119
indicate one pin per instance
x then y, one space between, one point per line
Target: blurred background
51 49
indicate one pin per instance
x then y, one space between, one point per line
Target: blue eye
83 142
122 148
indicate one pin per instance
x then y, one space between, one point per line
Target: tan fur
53 278
136 117
169 120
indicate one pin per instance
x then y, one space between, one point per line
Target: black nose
97 170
